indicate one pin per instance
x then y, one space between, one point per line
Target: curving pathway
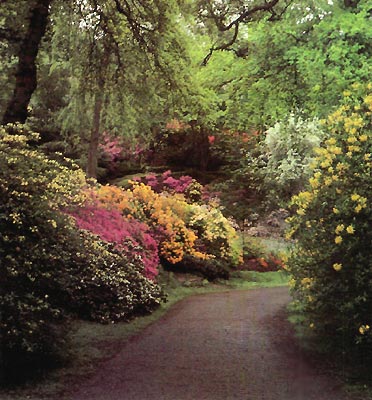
221 346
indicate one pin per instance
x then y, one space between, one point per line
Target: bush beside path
231 345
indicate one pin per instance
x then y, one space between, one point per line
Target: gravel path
222 346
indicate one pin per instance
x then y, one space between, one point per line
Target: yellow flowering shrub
216 233
164 213
331 224
179 227
33 237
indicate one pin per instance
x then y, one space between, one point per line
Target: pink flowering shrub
111 147
186 185
116 150
129 235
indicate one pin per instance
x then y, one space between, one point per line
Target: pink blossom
112 227
211 139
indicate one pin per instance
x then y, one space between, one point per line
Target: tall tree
126 66
26 73
144 53
303 62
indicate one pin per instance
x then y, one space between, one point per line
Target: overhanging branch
244 16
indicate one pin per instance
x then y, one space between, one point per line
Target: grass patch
275 245
251 279
266 245
93 343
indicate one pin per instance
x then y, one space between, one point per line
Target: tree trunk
351 3
99 94
204 149
26 75
95 135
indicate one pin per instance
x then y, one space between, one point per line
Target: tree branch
224 46
267 6
245 16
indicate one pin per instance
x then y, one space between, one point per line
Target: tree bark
26 74
351 3
99 95
95 136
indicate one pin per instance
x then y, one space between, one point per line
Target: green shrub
211 269
331 263
33 235
257 256
108 285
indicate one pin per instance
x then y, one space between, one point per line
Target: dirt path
235 345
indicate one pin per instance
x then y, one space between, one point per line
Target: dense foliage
50 269
332 225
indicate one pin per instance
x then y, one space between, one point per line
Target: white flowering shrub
289 147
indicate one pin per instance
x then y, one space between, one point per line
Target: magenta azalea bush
185 185
129 236
110 147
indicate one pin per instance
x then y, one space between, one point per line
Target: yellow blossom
337 266
331 141
335 210
358 208
363 329
350 229
335 150
53 223
353 148
338 239
339 228
325 164
353 131
368 101
363 138
352 139
306 282
314 183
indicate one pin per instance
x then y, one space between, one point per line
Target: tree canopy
78 68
